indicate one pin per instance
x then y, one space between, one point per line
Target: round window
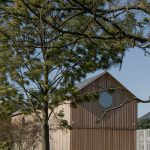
105 99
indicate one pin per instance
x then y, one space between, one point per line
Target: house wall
17 119
117 129
59 138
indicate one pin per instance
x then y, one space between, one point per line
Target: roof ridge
85 82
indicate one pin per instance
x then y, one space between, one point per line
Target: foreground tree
10 101
25 136
47 46
19 136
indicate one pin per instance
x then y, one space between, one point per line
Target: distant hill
144 122
145 117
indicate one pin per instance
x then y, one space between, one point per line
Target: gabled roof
84 83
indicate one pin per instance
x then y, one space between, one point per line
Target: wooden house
107 124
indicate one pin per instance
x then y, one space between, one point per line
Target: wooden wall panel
60 138
96 139
117 129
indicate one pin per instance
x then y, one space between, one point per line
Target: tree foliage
144 124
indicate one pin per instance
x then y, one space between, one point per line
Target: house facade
106 124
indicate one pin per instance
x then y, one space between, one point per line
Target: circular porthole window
105 99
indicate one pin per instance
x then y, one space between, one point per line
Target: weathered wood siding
117 129
60 138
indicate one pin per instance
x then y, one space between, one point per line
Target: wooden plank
116 131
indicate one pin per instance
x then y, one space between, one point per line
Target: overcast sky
135 75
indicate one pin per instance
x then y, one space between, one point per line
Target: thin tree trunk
45 129
45 125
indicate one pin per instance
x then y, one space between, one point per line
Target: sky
135 76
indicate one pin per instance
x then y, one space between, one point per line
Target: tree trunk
45 129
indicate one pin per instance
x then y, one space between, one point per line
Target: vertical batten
116 131
60 138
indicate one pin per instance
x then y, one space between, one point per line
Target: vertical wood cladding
60 139
117 129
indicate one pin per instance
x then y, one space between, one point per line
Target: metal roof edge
92 79
100 75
